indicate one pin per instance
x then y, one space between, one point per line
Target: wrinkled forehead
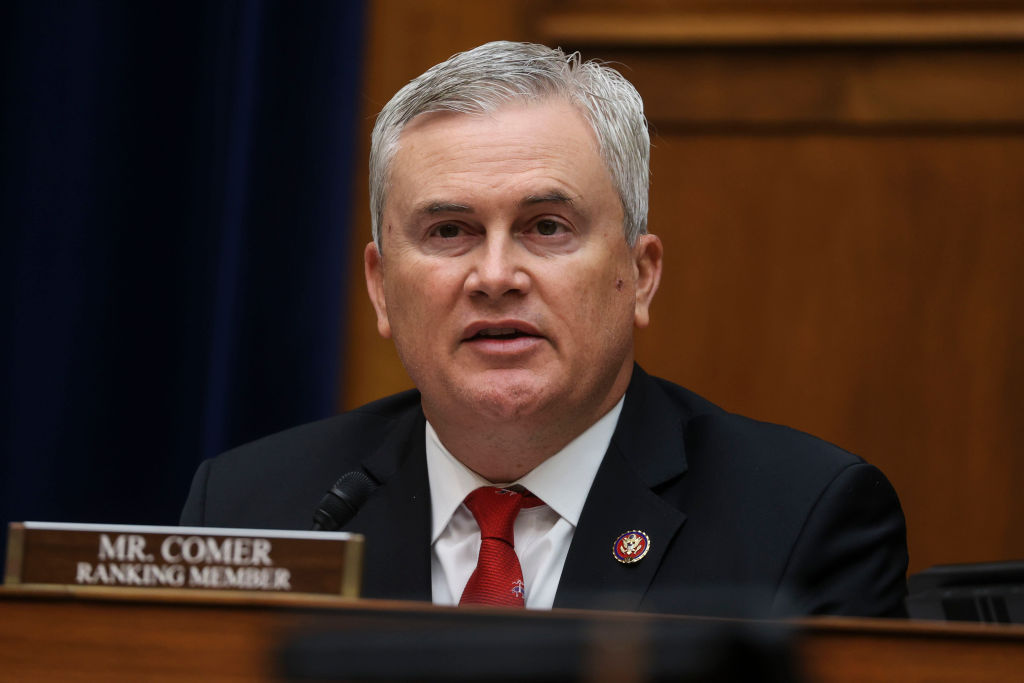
514 139
525 121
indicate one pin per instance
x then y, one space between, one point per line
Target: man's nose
498 268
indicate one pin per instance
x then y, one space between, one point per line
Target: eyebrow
437 206
554 197
432 207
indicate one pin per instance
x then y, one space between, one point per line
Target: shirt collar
562 481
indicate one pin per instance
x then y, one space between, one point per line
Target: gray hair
483 79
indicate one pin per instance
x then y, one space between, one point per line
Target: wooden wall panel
839 189
803 294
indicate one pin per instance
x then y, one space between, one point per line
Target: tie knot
496 509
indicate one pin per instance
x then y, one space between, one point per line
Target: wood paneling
955 89
806 27
174 636
804 293
839 189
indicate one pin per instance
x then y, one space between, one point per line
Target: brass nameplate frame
205 558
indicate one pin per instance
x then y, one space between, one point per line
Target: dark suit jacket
735 509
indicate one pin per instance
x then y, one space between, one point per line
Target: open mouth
500 333
502 336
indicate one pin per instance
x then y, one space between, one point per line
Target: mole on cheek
618 284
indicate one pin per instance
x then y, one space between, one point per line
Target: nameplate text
262 560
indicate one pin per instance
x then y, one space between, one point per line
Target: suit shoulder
360 427
274 482
775 442
708 427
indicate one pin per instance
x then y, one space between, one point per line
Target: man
510 264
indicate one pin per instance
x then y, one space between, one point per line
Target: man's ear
647 255
374 270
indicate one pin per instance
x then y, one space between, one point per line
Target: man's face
505 279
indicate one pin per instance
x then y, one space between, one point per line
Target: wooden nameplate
204 558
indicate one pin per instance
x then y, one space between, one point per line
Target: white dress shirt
542 533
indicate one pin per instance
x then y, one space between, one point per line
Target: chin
506 395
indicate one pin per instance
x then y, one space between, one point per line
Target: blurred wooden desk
135 635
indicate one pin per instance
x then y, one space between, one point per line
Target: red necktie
498 577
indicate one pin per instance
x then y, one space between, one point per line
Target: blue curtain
175 187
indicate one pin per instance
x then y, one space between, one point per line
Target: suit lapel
646 450
396 518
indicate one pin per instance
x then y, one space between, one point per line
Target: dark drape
175 193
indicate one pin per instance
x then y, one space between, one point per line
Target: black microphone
342 501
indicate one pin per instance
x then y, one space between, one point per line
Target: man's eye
448 231
548 227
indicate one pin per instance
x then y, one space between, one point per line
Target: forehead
528 147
